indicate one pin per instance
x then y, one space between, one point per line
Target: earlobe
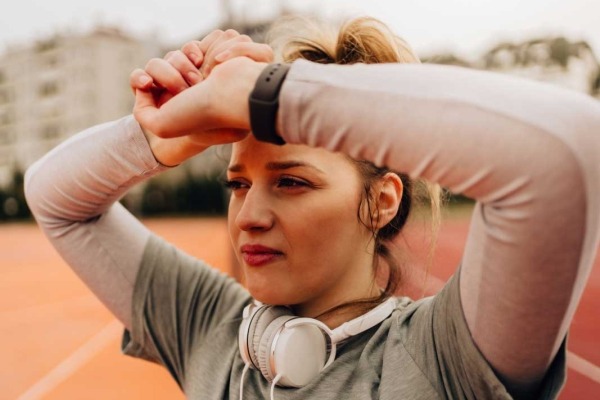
388 200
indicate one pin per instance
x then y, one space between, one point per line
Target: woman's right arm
73 191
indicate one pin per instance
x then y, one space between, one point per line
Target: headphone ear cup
266 343
261 321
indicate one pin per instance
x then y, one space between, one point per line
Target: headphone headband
364 322
291 350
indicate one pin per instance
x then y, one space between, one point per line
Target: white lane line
73 362
584 367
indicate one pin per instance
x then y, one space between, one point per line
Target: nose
254 213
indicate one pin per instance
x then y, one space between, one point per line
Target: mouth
256 255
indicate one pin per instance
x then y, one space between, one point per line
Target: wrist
263 103
171 152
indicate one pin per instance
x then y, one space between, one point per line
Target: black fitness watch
264 102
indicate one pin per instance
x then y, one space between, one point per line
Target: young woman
309 220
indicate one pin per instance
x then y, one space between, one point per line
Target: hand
212 112
183 68
165 78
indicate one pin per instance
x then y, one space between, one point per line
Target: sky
465 27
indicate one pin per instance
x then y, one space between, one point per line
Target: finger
216 37
139 79
193 52
255 51
145 109
196 50
219 47
166 75
186 68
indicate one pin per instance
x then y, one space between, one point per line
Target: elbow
32 195
567 180
36 184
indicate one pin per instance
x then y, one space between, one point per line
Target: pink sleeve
72 192
527 152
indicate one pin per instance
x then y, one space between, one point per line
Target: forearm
527 152
71 192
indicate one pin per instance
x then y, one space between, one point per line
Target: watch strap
264 103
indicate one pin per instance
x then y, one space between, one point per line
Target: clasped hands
197 97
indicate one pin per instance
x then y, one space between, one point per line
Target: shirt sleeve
438 339
527 152
73 192
177 302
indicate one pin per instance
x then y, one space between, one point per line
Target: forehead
250 153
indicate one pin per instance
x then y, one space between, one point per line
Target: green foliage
12 200
193 196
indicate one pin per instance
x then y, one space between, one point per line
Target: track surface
57 341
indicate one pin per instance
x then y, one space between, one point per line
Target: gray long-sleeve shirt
528 153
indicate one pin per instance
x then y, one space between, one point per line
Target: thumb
145 110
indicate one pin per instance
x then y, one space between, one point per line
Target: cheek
328 231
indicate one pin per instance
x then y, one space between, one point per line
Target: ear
388 199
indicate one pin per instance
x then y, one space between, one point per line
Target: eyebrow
277 166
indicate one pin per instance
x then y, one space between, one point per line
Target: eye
289 182
235 184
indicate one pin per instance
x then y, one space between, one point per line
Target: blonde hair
362 40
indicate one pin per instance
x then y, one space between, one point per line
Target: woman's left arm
528 153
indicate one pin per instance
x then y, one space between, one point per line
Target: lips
256 255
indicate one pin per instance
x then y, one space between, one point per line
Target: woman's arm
527 152
73 189
71 192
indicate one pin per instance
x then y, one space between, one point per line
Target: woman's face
294 227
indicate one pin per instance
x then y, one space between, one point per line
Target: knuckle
173 59
188 47
153 62
245 38
231 33
135 73
168 55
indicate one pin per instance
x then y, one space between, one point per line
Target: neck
328 313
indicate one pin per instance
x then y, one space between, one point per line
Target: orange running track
58 342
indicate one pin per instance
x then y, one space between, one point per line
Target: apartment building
57 86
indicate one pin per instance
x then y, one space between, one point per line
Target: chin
268 297
272 294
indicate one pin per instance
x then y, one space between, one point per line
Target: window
45 45
5 136
48 89
50 131
4 96
51 61
5 117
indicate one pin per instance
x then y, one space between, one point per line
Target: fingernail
144 80
222 56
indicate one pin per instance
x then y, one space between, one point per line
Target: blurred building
572 65
57 86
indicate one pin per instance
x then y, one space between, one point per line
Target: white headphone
289 350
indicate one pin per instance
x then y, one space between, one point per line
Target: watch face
264 103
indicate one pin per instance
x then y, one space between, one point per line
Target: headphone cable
246 368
